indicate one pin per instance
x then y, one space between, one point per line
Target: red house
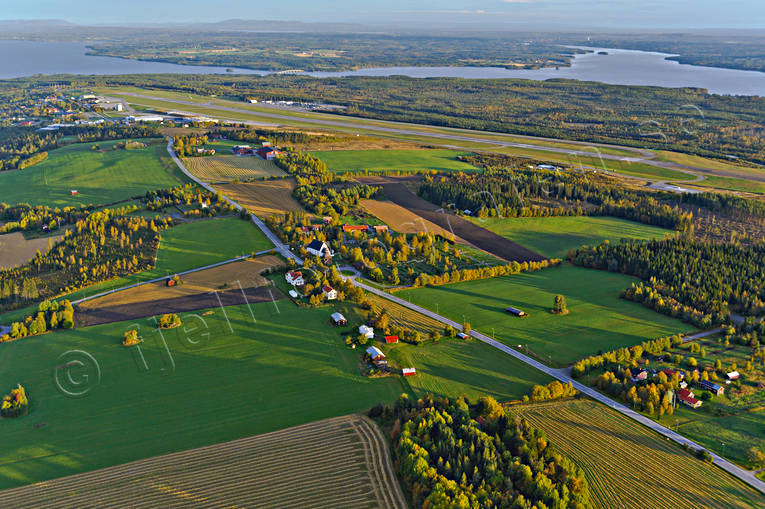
354 228
268 153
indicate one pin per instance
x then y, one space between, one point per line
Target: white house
366 331
318 248
329 292
295 278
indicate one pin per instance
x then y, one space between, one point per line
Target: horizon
591 15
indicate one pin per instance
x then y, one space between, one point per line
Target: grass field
15 250
264 198
732 184
625 462
598 318
452 367
104 176
343 461
400 160
555 236
230 167
260 369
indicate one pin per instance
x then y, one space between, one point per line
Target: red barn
391 339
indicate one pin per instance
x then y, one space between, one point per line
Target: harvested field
405 317
230 167
246 273
625 462
264 198
339 462
480 237
400 219
85 317
15 250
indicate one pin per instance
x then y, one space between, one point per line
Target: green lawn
99 177
555 236
454 367
271 372
732 184
402 160
598 318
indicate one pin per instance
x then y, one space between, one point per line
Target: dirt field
339 462
226 168
264 198
402 220
230 281
398 193
15 250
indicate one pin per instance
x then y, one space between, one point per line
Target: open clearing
343 461
230 167
264 198
15 250
555 236
625 462
393 160
242 371
482 238
400 219
100 177
232 283
598 318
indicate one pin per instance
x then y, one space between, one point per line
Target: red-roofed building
687 398
391 339
355 228
295 278
268 153
408 371
329 292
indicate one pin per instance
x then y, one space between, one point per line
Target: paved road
155 280
279 245
559 374
563 376
325 119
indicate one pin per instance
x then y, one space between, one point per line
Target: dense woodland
679 119
450 454
714 278
528 193
98 247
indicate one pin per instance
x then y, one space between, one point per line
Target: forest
451 454
521 192
714 278
678 119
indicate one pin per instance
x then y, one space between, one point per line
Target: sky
534 13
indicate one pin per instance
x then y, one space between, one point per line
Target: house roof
732 374
316 245
375 352
391 339
684 393
327 289
337 317
295 273
637 371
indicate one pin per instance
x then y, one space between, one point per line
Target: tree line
453 454
51 315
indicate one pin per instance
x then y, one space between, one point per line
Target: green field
598 318
606 445
100 177
453 367
555 236
271 372
396 160
732 184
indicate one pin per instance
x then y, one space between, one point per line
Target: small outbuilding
338 319
293 294
375 353
733 375
516 311
462 335
391 340
712 387
408 371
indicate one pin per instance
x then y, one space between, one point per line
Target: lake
619 67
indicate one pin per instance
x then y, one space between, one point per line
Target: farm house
366 331
329 292
295 278
688 398
375 353
318 248
338 319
